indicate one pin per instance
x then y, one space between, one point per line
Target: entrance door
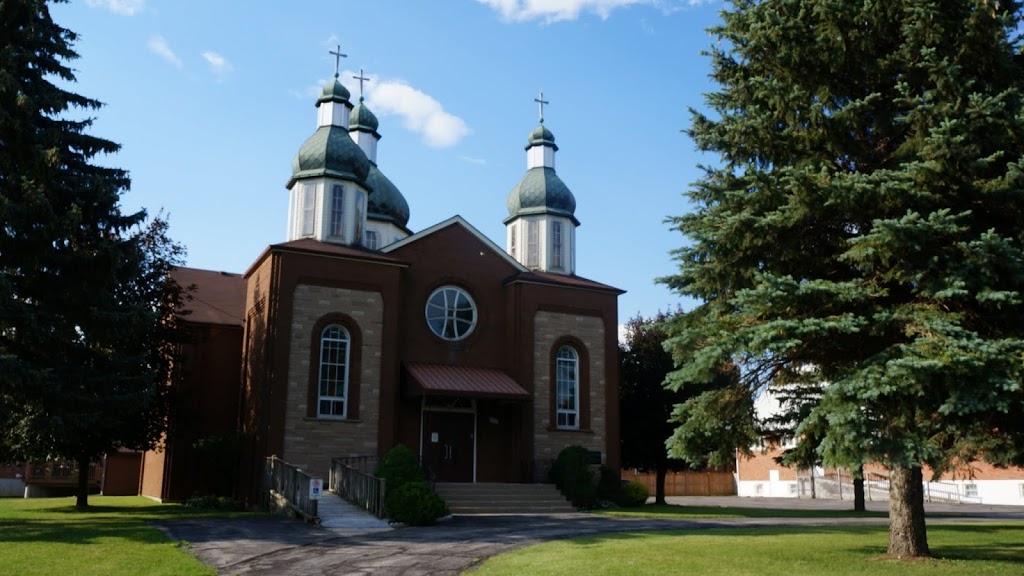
448 445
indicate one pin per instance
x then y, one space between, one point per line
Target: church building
356 333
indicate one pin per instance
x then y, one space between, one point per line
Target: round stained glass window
451 313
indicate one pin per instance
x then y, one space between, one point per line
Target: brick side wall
549 327
310 443
757 468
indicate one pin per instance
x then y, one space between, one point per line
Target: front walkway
282 546
343 518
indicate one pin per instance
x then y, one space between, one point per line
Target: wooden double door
448 447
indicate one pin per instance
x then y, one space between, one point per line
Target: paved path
282 546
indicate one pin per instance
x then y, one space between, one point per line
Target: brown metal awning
442 380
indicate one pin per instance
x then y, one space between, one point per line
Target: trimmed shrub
609 487
572 475
414 503
399 467
634 494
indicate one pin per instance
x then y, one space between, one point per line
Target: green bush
572 475
399 467
634 494
609 487
414 503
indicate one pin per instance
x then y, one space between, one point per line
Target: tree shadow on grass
683 512
55 531
950 541
967 542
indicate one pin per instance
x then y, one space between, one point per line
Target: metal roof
443 380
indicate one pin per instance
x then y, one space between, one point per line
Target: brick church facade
357 334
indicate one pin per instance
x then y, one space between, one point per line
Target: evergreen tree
859 244
86 303
647 407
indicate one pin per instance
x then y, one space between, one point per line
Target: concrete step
495 498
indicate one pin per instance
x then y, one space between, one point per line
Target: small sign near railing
316 485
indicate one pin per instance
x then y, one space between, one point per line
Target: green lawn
968 549
48 536
671 511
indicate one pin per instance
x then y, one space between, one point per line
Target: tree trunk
82 490
907 534
659 484
858 490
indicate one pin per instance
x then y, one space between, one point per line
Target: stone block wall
548 441
310 443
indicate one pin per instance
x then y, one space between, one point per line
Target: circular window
451 313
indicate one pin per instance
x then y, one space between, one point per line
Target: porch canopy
463 381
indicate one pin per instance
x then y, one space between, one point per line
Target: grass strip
671 511
48 536
959 549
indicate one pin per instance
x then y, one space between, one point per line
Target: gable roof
316 247
573 281
456 221
216 298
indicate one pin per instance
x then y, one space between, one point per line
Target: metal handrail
350 480
289 483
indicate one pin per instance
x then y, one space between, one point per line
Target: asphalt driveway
282 546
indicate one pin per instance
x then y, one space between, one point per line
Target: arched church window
332 398
451 313
567 389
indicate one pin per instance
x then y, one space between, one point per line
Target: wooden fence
688 483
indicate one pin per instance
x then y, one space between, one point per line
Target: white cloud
419 112
158 46
123 7
555 10
218 64
472 160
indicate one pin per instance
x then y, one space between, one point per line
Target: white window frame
532 243
335 342
556 245
370 240
567 388
337 211
513 236
451 313
360 214
308 218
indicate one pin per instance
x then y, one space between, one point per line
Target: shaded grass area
671 511
48 536
967 549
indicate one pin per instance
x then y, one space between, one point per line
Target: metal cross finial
361 79
337 58
541 101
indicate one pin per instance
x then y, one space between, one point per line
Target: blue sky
211 99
